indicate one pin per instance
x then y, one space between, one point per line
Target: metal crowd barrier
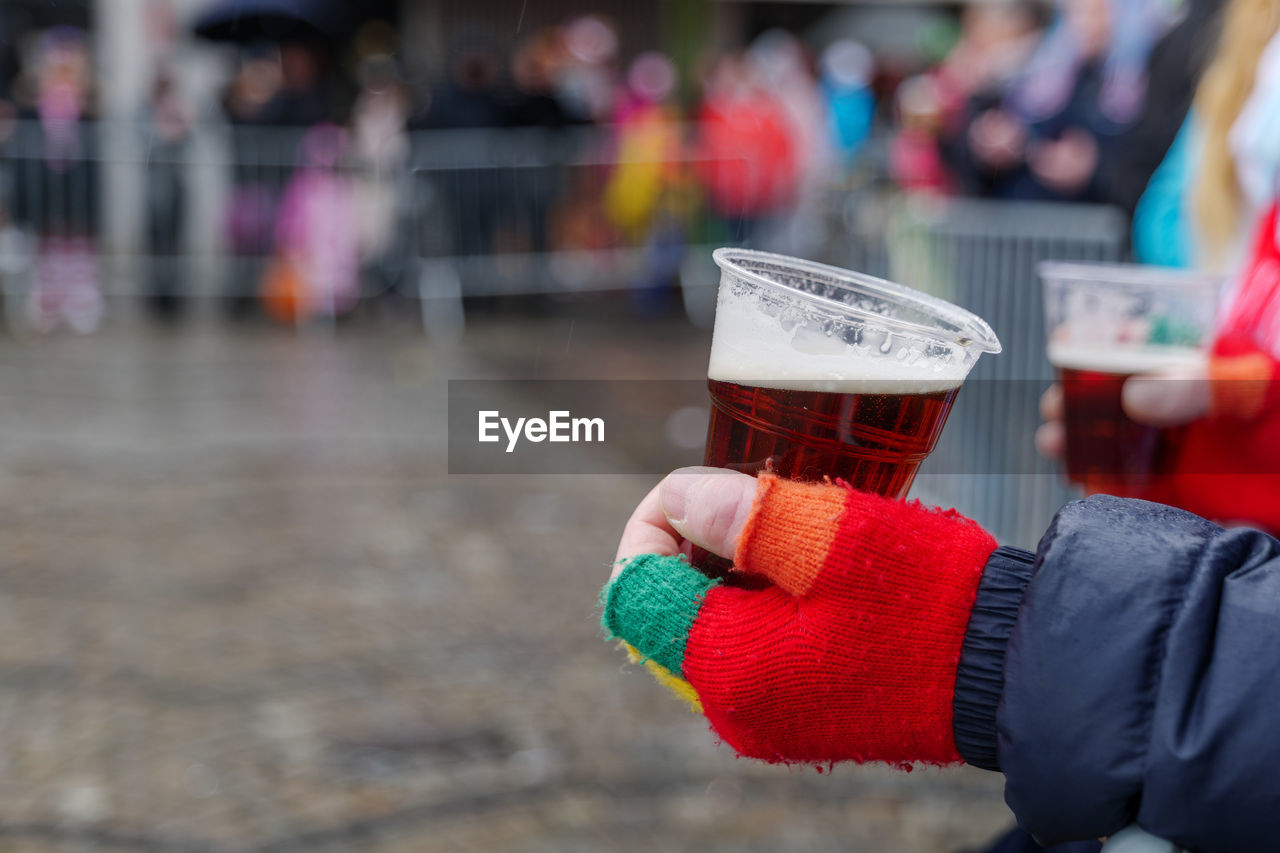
983 256
467 213
139 215
539 212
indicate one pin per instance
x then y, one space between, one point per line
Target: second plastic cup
1106 323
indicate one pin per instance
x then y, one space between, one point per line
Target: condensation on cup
1106 323
817 372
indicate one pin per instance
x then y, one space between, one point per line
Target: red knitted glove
849 652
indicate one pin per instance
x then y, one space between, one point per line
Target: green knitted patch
652 605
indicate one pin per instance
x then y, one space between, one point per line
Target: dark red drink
1107 452
818 372
873 441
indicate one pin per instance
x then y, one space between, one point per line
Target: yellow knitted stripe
683 689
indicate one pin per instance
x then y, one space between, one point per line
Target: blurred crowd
1075 107
1077 100
321 148
659 157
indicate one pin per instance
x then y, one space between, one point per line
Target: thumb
708 506
1167 399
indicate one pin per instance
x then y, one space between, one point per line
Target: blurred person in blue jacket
847 71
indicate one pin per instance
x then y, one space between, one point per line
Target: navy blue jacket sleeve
1139 654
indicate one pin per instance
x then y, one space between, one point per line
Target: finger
1051 403
1240 384
708 506
652 604
1166 399
1051 440
647 532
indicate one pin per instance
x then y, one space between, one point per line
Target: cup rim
1146 275
972 331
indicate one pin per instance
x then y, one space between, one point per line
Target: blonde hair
1248 27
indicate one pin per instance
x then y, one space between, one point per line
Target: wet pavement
244 607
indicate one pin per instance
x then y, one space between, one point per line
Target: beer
1106 323
1108 452
808 402
820 373
872 436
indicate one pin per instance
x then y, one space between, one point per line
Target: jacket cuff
980 675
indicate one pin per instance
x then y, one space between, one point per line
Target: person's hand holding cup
1129 344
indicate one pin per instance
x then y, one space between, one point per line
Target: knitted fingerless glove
848 653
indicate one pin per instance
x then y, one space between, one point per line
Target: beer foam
1126 361
752 348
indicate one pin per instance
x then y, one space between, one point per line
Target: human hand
1066 164
997 140
845 648
1051 436
1169 398
662 524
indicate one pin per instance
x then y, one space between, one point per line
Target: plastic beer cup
1106 323
818 372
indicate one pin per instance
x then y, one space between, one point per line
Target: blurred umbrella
272 20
